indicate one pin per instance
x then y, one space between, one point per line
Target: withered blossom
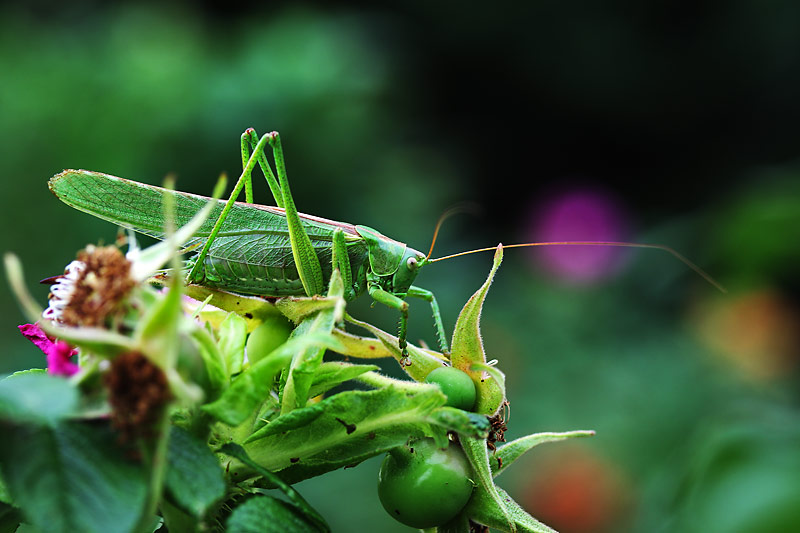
137 391
91 289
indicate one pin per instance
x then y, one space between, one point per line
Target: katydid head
407 271
392 264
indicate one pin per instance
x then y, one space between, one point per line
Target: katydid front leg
419 292
390 300
380 295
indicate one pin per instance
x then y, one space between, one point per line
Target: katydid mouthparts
276 251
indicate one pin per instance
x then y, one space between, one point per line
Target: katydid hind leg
194 274
340 260
305 257
245 147
250 141
424 294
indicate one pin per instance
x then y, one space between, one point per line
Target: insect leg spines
245 176
305 258
250 141
419 292
341 260
245 147
390 300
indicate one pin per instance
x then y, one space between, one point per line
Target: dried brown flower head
138 391
91 289
498 428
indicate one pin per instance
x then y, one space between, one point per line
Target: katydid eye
412 263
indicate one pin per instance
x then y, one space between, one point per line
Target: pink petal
37 336
58 362
58 352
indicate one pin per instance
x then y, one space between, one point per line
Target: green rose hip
456 385
424 486
273 332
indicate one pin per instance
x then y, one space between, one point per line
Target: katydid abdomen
273 274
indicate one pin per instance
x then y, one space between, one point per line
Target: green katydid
272 251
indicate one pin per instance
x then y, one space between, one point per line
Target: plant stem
158 467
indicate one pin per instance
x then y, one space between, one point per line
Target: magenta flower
579 214
58 352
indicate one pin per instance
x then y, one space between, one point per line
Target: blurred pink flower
581 214
58 352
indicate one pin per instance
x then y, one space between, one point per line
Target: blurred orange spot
577 492
757 332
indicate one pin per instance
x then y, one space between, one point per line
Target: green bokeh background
687 113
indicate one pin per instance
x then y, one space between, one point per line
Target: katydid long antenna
674 253
463 207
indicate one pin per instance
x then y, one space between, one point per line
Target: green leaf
212 358
467 347
377 380
26 372
36 397
291 420
265 514
493 372
346 456
297 308
194 477
306 362
476 452
423 362
10 518
5 497
154 257
502 513
72 477
459 524
234 450
249 390
270 409
173 518
91 340
510 452
353 426
232 336
253 309
157 331
333 373
463 422
361 347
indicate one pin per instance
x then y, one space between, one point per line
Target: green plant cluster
194 409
